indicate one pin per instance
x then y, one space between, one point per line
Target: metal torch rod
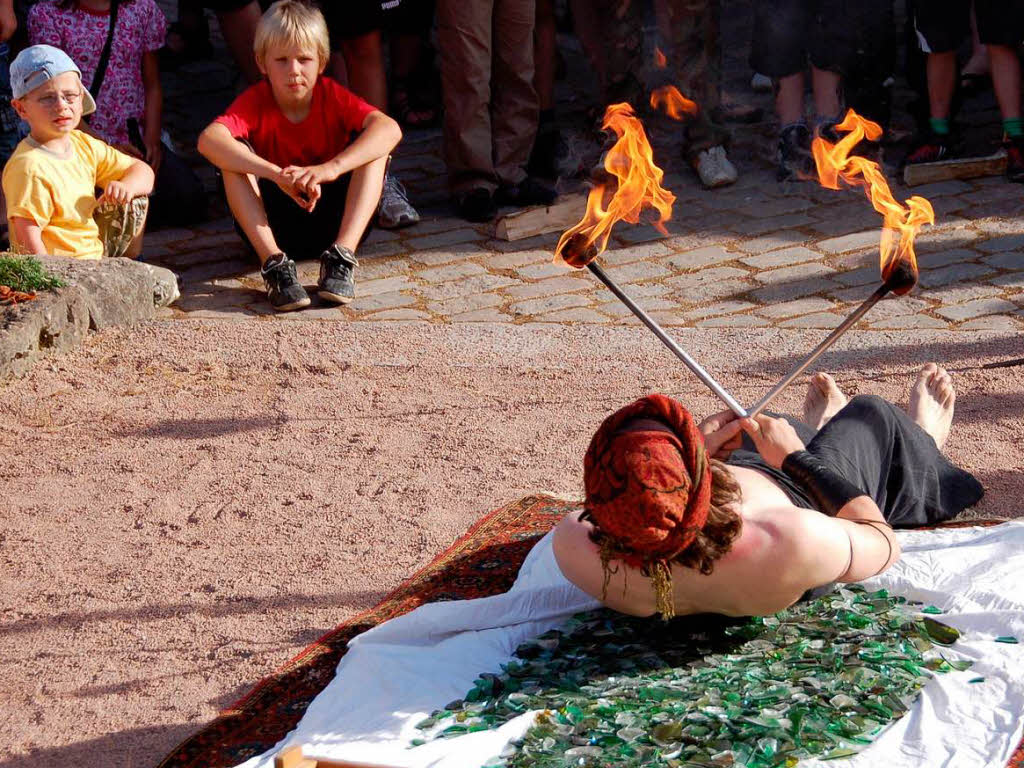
831 339
668 341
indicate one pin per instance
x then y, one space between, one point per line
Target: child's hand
302 198
154 153
116 192
309 178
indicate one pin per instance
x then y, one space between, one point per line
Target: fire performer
683 518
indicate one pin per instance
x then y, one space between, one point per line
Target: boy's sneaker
395 210
529 191
283 287
714 169
794 153
337 282
1014 159
930 148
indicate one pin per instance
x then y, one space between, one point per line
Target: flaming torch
631 162
900 226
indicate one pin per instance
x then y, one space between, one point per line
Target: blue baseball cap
39 63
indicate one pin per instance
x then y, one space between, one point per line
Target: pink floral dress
141 27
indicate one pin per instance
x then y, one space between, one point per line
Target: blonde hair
292 22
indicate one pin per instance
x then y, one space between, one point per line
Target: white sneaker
395 210
714 168
761 83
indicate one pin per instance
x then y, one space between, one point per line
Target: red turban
647 491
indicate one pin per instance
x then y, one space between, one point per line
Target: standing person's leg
622 35
464 36
1001 29
548 144
364 63
514 111
941 25
414 95
778 51
587 27
238 25
696 50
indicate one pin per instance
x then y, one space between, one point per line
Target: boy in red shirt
303 159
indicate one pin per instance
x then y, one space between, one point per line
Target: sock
939 125
1013 127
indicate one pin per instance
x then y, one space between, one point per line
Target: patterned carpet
483 562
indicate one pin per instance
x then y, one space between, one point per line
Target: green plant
26 273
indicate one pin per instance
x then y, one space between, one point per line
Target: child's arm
154 109
28 235
379 136
136 181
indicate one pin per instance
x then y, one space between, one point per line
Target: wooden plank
291 757
556 217
964 168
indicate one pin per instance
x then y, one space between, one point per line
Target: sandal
405 109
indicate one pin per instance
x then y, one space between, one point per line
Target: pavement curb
98 295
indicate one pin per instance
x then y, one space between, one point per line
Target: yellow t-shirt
59 192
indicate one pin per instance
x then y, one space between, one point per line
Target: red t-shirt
335 116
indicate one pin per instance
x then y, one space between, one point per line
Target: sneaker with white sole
714 169
395 210
284 290
337 279
761 83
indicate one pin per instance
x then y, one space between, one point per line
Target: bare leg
239 30
247 207
931 402
826 86
789 98
364 190
824 399
364 60
1006 79
941 82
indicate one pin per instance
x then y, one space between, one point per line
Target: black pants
877 447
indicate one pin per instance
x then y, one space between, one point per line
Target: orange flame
901 223
659 59
672 102
631 162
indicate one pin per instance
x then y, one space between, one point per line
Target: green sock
940 125
1013 127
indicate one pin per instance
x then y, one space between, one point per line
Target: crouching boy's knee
121 226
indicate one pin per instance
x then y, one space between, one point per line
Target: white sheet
397 673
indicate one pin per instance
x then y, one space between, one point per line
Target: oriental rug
483 562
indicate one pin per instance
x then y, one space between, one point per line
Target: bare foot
824 399
931 402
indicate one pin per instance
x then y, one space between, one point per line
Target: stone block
700 258
955 273
780 258
1008 260
566 284
381 301
771 294
481 316
791 274
399 314
734 321
1011 280
803 306
774 241
383 285
908 322
992 323
514 259
574 315
543 270
471 285
977 308
637 271
448 255
462 304
718 308
548 304
450 272
851 242
441 239
755 227
818 320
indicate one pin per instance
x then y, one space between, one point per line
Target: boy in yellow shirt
51 179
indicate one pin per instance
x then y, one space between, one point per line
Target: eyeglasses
53 100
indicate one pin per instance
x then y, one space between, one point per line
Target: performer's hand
721 434
775 438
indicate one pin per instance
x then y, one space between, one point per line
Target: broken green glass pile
819 679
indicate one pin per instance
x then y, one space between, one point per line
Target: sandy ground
155 563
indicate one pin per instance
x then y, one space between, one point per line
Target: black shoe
283 287
930 148
527 192
794 154
476 205
337 282
1014 159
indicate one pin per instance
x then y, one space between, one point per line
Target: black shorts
942 25
225 6
299 234
348 19
836 35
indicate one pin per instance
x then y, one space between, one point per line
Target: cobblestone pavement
752 255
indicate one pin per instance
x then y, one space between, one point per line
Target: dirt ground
154 564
